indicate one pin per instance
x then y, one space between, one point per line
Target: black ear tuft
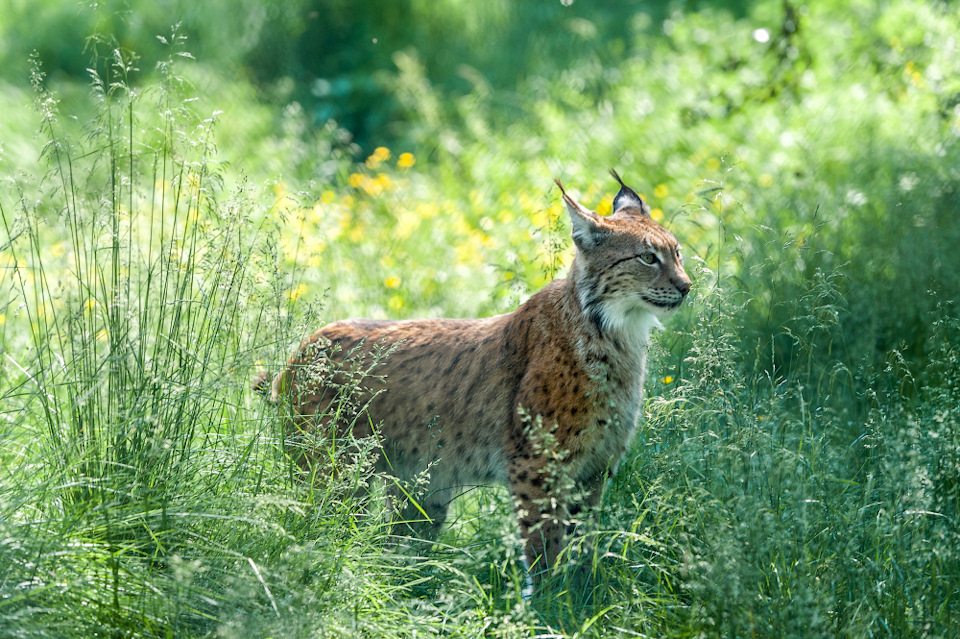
627 197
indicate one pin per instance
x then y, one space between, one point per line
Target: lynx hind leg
419 519
415 522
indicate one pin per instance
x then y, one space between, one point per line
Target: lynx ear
587 231
627 198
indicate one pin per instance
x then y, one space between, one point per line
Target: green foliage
798 470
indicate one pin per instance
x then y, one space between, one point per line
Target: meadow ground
797 470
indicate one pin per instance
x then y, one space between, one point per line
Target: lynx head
628 270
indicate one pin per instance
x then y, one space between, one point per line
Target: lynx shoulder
544 399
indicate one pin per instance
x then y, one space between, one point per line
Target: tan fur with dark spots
452 394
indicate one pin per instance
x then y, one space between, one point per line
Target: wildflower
356 180
392 282
541 218
917 80
661 191
395 303
380 155
384 181
357 234
765 180
656 215
406 160
328 197
294 294
407 223
668 379
426 211
605 207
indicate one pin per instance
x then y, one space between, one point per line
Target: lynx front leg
588 494
541 514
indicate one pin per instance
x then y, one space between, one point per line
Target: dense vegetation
205 197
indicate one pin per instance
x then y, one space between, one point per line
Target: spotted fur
544 399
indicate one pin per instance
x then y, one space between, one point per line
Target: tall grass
140 494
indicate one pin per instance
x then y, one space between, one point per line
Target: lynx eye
648 258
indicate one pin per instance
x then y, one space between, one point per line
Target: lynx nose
684 288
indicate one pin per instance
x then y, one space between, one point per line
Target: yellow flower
395 303
661 191
328 196
103 336
407 223
380 155
668 379
356 180
713 164
384 181
426 211
765 180
605 207
392 282
294 294
3 319
406 160
656 215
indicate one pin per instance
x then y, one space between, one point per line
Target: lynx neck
619 331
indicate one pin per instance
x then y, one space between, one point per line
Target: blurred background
829 126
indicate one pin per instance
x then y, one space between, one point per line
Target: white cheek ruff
629 322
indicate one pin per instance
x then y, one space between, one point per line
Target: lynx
544 399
